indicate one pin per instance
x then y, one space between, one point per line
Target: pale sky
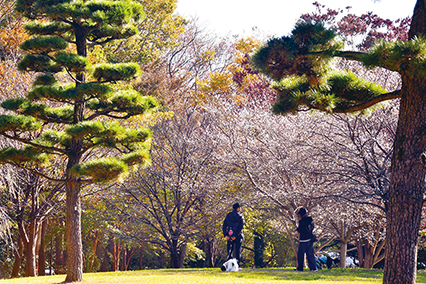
277 17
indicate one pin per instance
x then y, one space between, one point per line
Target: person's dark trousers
234 249
308 248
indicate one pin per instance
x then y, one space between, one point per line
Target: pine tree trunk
73 233
73 184
408 172
406 184
73 221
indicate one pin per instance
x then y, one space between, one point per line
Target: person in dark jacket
306 245
233 232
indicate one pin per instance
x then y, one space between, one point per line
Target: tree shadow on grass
329 275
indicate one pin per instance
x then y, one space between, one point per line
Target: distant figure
233 232
306 245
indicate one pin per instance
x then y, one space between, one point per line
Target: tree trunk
407 178
127 257
259 248
162 259
182 252
73 183
174 255
92 258
207 248
105 259
360 253
140 256
368 255
124 262
42 254
59 253
343 252
30 249
378 255
406 184
51 256
291 238
18 257
116 251
73 233
30 256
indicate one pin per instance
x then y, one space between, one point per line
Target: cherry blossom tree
263 152
355 152
336 166
169 198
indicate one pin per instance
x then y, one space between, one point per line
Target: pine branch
368 103
53 120
119 117
94 145
351 55
72 76
95 115
106 113
29 142
88 181
103 42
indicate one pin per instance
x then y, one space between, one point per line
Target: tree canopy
69 113
300 65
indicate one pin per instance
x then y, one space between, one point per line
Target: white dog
230 266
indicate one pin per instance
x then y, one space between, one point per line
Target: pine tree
70 120
298 63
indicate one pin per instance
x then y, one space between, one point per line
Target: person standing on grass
306 244
233 232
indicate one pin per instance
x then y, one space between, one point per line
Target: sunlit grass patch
215 275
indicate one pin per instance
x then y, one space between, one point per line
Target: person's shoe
314 270
239 269
297 270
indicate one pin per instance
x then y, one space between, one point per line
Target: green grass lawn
214 275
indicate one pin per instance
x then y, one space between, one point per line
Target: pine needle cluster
300 66
72 118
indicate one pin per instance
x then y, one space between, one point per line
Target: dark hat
302 211
236 206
